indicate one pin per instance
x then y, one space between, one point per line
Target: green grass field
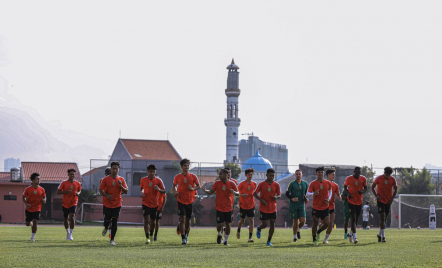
404 248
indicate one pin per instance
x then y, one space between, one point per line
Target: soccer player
225 189
184 186
162 199
229 176
330 174
33 197
346 212
151 186
112 187
321 190
70 189
247 203
296 194
269 191
365 215
355 186
385 194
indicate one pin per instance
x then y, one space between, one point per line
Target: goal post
417 208
93 212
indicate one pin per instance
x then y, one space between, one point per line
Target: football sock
114 228
383 232
67 231
314 238
250 235
106 224
269 239
151 233
239 230
326 237
294 236
220 233
183 236
354 236
33 235
71 231
226 237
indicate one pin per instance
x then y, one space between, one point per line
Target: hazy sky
343 82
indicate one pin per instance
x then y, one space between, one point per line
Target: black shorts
111 212
67 211
267 216
355 209
332 211
224 216
321 214
383 208
159 215
152 212
32 215
247 212
185 210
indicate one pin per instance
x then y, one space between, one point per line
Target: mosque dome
257 162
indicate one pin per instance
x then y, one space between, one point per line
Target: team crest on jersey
322 187
224 188
300 187
185 180
356 183
380 209
269 189
248 188
113 183
150 184
217 218
386 182
35 192
72 186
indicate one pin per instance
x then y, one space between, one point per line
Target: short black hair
367 202
34 175
298 170
356 168
227 168
107 171
319 169
388 170
270 170
115 163
184 161
249 170
330 171
224 171
151 167
71 169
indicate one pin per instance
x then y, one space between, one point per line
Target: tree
370 175
415 181
234 168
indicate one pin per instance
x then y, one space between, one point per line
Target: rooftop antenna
248 134
120 133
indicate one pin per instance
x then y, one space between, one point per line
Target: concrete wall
12 211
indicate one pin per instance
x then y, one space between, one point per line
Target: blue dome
257 162
283 175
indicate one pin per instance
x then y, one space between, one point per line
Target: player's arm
43 198
59 191
209 192
124 188
26 202
394 195
164 202
142 192
363 190
278 193
259 198
174 187
330 194
338 195
288 192
346 191
159 189
373 189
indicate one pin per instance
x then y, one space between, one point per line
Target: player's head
35 178
107 171
330 174
115 168
249 173
357 172
320 173
367 203
388 171
229 172
151 170
71 173
298 174
185 164
270 174
223 174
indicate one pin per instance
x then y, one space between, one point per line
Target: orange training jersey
354 186
161 198
224 198
267 193
34 197
385 188
185 196
335 191
319 200
70 200
150 198
234 181
111 187
246 188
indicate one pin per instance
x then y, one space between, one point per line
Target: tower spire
232 120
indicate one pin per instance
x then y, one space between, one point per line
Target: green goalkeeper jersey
298 190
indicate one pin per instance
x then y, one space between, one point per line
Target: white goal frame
413 195
101 205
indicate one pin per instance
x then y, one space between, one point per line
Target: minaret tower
232 121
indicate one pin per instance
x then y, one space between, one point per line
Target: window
137 177
10 197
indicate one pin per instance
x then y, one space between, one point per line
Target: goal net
413 211
93 212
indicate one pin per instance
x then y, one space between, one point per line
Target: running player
112 187
151 186
365 215
162 199
184 186
385 194
33 197
355 186
229 176
296 194
225 189
247 203
321 190
330 174
269 191
70 189
346 212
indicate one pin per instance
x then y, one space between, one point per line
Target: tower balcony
232 92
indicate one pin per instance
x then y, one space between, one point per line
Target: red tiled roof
151 150
93 171
5 176
49 171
